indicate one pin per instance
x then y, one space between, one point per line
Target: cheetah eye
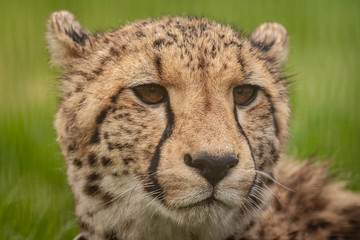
244 94
150 93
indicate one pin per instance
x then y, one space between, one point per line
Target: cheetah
175 129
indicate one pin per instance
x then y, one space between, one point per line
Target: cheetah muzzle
175 128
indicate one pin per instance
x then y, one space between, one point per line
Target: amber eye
245 94
150 93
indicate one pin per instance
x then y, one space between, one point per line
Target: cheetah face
181 117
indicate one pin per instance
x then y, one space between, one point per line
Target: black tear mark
154 186
244 134
250 147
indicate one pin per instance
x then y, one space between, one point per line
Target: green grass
35 201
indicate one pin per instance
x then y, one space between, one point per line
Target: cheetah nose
212 168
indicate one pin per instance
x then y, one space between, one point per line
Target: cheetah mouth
208 202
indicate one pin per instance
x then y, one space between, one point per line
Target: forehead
178 51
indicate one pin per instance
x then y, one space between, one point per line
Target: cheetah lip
210 201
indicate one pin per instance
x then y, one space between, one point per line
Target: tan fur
126 159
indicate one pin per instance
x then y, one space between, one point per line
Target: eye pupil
152 89
240 90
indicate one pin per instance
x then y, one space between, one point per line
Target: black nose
212 168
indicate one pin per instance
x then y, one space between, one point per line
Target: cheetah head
180 118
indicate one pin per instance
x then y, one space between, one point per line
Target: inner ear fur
272 39
66 38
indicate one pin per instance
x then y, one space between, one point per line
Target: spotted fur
129 162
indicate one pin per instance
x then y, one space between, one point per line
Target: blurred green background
35 201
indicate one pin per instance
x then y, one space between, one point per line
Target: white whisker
271 178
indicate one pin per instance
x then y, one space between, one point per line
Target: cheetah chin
174 129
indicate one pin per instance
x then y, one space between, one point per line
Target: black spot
79 89
157 61
105 60
93 177
173 36
116 96
95 138
77 162
71 147
213 51
114 52
84 226
111 235
107 198
82 238
91 189
201 63
232 43
128 160
105 161
98 71
106 135
101 117
241 61
158 42
92 159
140 34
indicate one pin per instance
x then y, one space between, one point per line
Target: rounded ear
66 38
272 39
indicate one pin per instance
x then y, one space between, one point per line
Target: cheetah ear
66 38
272 39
